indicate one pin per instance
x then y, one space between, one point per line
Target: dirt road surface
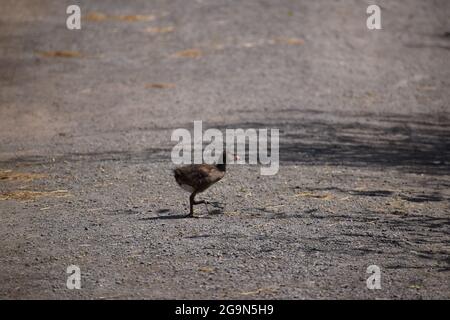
86 118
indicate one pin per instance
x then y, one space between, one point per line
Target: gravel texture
85 172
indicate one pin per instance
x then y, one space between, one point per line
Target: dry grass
291 41
206 269
27 195
258 291
98 17
95 16
60 54
133 18
315 195
160 30
9 175
160 85
189 53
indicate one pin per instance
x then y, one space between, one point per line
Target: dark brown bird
196 178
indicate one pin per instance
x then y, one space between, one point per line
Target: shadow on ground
383 141
391 141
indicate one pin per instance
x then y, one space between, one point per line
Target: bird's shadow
166 214
166 217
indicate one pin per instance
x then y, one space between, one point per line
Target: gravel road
86 118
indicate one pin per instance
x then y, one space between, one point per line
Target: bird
196 178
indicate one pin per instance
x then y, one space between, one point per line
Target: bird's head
228 156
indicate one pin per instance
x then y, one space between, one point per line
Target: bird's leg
191 205
204 202
192 202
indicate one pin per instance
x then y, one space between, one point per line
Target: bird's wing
213 173
189 174
197 176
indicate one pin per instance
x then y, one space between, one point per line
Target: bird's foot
206 205
205 202
216 204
